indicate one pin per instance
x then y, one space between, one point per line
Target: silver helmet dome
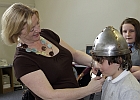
110 43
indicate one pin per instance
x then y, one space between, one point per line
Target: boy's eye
100 62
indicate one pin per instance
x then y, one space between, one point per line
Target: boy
112 56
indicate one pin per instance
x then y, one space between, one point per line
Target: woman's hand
95 68
135 70
95 85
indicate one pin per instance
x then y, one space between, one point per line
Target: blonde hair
13 21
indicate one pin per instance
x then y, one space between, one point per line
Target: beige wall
79 21
7 52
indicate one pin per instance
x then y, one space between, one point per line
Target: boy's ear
119 60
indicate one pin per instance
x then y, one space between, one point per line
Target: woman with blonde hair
43 61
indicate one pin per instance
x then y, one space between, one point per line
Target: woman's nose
37 28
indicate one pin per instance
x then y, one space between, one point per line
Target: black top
58 69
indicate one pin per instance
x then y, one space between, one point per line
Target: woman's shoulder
46 31
49 34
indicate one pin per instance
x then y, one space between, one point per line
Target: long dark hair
136 25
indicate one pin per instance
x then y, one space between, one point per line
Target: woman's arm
78 56
37 82
135 70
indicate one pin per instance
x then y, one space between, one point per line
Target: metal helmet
110 43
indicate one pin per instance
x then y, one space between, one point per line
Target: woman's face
108 70
128 32
34 34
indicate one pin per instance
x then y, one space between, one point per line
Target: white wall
79 21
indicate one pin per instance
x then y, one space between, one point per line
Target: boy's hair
124 60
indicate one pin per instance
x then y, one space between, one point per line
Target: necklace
43 48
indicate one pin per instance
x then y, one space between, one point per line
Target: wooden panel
6 70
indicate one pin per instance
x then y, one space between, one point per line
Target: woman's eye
32 29
38 23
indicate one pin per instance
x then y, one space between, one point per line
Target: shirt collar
122 75
132 44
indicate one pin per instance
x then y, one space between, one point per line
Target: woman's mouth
36 35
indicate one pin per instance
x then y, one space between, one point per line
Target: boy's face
108 70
